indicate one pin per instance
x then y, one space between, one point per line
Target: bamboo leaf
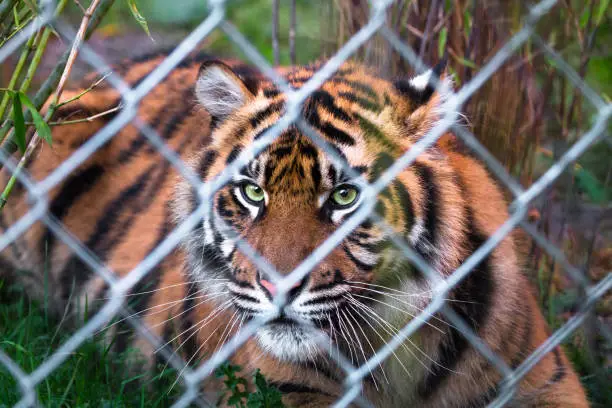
466 62
18 122
138 17
44 132
442 41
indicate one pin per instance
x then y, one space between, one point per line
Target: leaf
442 41
466 62
603 6
44 132
19 123
584 17
260 381
138 17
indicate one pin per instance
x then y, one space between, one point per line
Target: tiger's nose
271 287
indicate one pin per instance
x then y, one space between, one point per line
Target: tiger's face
290 197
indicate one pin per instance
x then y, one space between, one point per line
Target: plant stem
9 146
17 73
87 119
40 49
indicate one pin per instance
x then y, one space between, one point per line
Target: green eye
344 196
253 192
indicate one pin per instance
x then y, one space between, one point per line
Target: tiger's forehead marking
353 111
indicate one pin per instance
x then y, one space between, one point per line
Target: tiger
283 202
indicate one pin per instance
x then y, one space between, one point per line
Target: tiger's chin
289 341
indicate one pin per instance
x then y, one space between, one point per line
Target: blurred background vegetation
527 114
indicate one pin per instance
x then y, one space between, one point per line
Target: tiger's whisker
172 303
360 347
395 331
197 350
382 323
191 308
197 326
369 343
392 352
401 310
418 308
168 287
404 294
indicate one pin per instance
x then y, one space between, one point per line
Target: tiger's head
291 196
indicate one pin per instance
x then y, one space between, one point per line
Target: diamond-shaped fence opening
120 286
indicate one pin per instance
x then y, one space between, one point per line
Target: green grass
91 375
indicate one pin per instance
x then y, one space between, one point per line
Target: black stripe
418 96
265 113
233 154
281 152
177 119
99 241
335 134
271 92
357 262
327 129
140 141
206 162
474 294
149 284
222 207
324 99
560 372
72 189
405 202
287 388
366 89
187 321
262 132
315 174
430 208
363 103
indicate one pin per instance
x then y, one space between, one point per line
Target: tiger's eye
344 196
253 192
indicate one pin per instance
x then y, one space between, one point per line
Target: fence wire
191 378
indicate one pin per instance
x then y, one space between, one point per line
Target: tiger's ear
220 90
424 97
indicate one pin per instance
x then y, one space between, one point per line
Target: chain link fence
191 378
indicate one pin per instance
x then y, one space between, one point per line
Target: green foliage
20 100
92 374
264 396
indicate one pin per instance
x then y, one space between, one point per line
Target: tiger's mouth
289 340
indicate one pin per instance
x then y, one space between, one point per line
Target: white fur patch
289 342
420 82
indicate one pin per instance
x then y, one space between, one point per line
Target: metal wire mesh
120 287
